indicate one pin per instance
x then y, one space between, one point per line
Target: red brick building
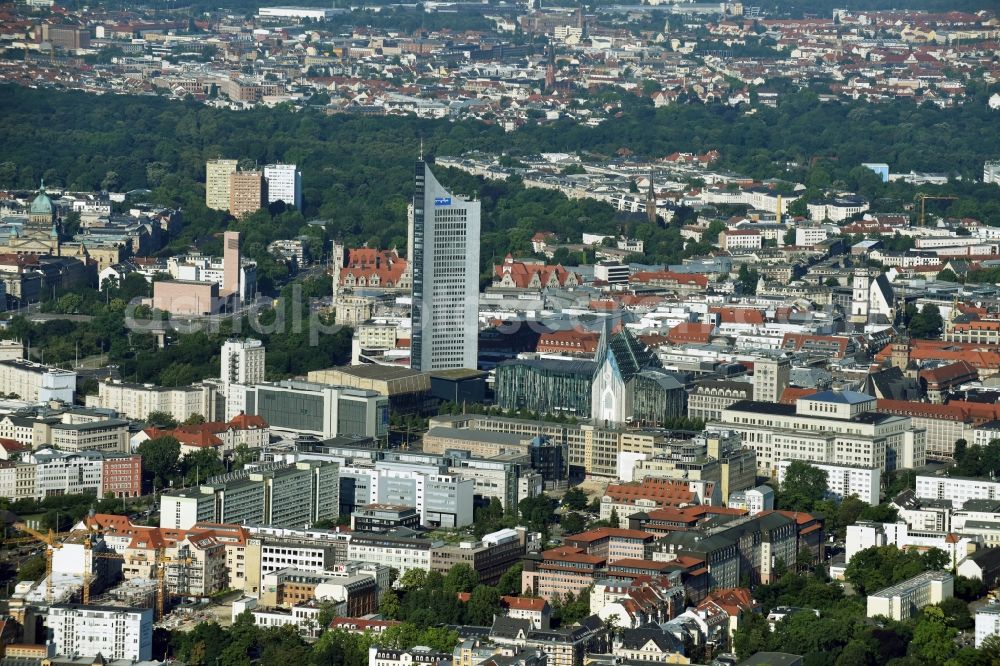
122 475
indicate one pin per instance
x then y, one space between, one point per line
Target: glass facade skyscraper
445 277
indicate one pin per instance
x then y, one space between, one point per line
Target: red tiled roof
367 263
949 374
731 315
668 278
793 393
687 331
607 533
523 603
568 341
522 273
956 410
979 356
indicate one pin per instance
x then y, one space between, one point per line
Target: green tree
572 523
482 606
947 275
933 640
161 420
32 569
460 578
927 324
575 499
510 580
956 614
413 579
389 605
804 485
159 457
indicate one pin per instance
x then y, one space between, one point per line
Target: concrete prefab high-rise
217 173
231 263
242 362
284 183
445 276
247 192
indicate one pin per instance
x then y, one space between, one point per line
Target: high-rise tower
445 260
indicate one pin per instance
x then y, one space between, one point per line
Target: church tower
861 295
900 352
550 70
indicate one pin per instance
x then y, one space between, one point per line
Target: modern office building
318 409
545 386
445 241
490 558
109 631
441 499
217 173
282 495
902 601
284 183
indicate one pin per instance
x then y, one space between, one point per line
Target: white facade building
64 473
35 382
284 183
866 534
834 427
137 401
445 244
956 489
241 366
987 623
111 631
845 480
901 601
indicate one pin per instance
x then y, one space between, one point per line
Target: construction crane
52 541
161 562
923 200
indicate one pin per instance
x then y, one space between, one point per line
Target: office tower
445 277
217 173
242 362
284 183
247 192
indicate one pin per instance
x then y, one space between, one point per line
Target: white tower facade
284 183
445 242
242 365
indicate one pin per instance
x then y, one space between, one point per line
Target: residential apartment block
109 631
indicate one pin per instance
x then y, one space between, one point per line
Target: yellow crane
923 204
52 541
